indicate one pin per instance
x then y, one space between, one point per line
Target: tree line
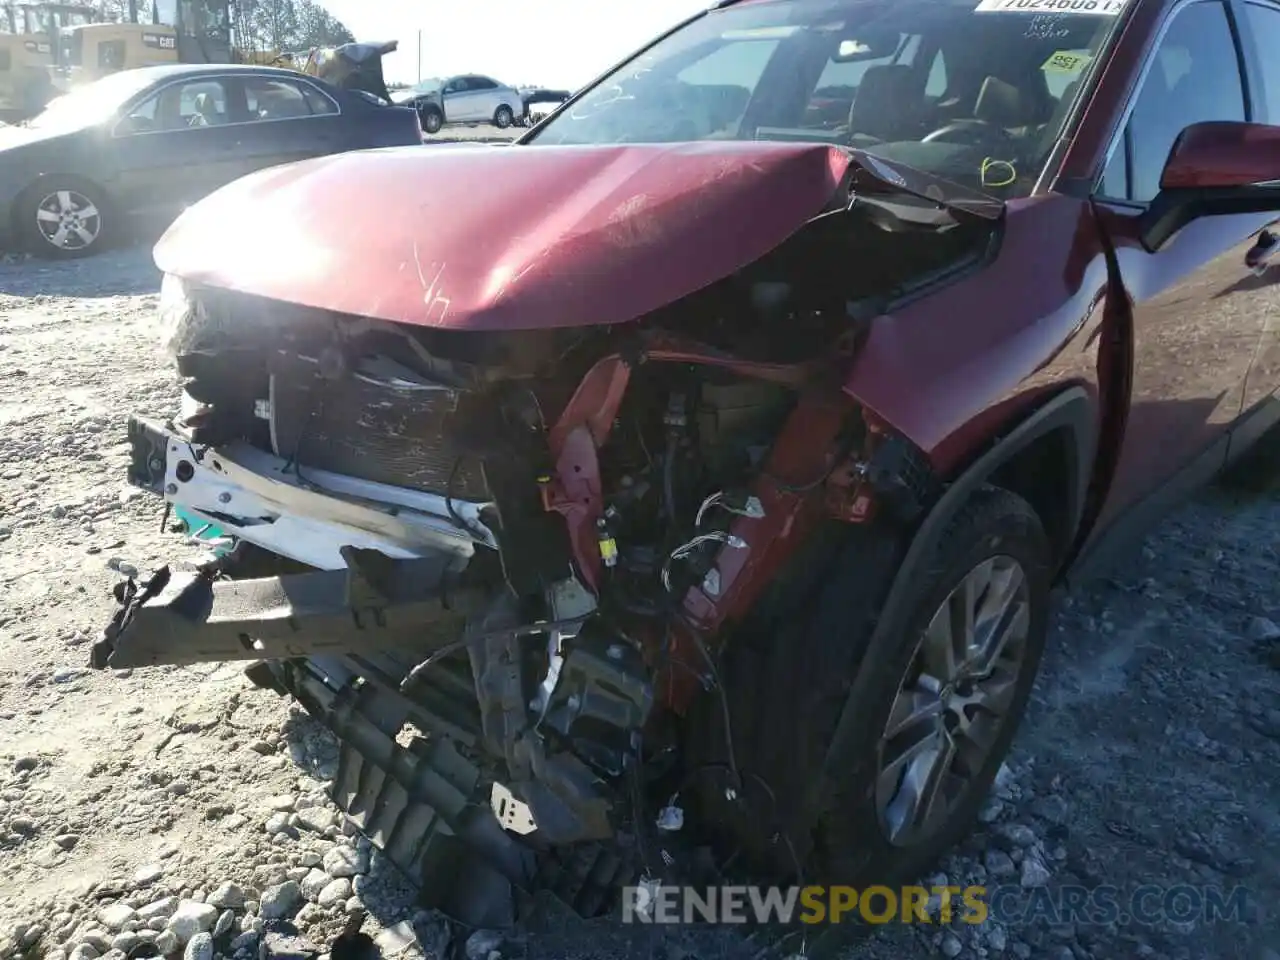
256 24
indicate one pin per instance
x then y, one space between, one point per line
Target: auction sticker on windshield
1101 8
1067 61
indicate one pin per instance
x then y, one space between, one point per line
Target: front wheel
64 220
503 117
432 120
934 700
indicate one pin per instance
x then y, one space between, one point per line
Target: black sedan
152 140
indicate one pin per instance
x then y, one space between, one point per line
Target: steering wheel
971 133
196 120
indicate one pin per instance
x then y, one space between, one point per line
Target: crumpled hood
516 238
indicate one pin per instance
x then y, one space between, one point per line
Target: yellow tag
1064 61
609 551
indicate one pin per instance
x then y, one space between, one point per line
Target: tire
503 117
787 689
64 219
432 120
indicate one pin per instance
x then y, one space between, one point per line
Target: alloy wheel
953 701
69 220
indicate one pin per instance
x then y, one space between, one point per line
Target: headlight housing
176 313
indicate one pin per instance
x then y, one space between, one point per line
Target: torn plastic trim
251 495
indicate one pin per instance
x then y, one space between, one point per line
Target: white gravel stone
199 947
280 900
1019 834
191 917
335 892
345 861
148 875
313 883
167 942
163 907
225 921
115 916
1034 872
125 941
227 896
276 823
316 819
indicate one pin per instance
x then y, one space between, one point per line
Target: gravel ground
183 810
475 132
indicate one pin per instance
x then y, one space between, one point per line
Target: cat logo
159 41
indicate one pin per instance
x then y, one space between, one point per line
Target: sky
555 43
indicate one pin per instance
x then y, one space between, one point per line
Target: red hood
503 238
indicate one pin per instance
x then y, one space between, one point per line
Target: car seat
207 110
888 104
1014 108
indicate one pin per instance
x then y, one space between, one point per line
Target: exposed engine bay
528 546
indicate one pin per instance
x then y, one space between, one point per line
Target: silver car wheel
952 703
69 220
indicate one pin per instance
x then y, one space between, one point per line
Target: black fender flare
1073 409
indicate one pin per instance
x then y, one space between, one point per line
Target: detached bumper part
259 498
376 604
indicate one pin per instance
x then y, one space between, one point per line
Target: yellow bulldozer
180 31
199 31
28 40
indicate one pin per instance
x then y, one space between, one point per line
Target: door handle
1259 256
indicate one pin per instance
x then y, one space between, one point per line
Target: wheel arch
1045 455
1067 425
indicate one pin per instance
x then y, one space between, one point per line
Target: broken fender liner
376 604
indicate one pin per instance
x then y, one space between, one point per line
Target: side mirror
1214 169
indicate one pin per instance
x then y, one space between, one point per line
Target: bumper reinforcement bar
377 603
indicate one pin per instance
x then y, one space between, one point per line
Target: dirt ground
183 809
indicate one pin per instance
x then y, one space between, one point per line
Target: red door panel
1197 325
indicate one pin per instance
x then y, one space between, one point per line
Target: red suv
693 473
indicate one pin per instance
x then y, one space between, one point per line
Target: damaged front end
500 564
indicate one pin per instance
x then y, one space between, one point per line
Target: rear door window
275 100
319 103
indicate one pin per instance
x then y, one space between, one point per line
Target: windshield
93 103
44 19
972 90
204 18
